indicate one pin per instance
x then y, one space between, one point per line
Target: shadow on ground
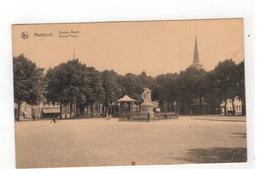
239 135
215 119
216 155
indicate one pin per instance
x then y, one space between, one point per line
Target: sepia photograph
166 92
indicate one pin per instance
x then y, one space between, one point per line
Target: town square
100 142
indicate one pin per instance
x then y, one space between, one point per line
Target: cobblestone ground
97 142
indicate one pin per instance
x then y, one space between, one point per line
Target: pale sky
156 47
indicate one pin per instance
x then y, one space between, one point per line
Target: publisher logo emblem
24 35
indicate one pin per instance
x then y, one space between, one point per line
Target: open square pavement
97 142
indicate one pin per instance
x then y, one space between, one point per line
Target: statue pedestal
147 108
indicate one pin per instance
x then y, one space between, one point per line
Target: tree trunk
172 106
18 111
94 109
225 108
77 110
73 110
98 108
91 110
233 107
70 109
103 110
81 109
200 104
66 111
60 110
243 106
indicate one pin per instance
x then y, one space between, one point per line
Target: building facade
233 107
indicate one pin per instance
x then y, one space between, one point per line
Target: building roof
126 98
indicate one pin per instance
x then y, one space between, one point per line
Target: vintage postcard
129 93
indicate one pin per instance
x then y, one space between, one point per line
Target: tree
93 90
55 82
240 84
111 88
165 90
131 86
189 89
145 80
68 83
211 91
226 80
27 82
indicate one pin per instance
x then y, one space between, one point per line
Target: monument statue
146 96
147 105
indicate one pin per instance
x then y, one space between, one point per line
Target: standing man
53 119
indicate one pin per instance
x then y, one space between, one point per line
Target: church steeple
74 54
196 60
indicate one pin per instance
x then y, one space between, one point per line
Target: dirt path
97 142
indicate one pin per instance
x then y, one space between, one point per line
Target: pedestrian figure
107 117
177 115
53 120
148 116
33 114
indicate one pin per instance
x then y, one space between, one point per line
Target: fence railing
134 116
166 115
138 116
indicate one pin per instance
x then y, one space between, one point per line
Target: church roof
126 98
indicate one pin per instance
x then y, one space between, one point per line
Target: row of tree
74 83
